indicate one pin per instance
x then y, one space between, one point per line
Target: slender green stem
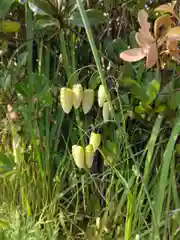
96 57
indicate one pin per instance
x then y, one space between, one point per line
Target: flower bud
88 100
106 111
101 95
95 140
89 155
78 155
78 95
66 99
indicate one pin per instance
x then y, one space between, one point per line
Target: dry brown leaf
162 25
168 8
174 34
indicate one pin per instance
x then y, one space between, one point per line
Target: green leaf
4 224
136 89
35 9
41 24
22 59
94 81
95 18
6 164
45 6
4 7
9 26
152 91
140 109
174 100
111 146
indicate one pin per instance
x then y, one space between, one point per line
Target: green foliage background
132 190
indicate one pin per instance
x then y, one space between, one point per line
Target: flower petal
89 155
144 39
66 99
95 140
101 95
78 155
146 35
143 20
88 100
152 56
132 55
78 95
106 111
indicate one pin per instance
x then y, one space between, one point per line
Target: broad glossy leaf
4 7
9 26
132 55
95 17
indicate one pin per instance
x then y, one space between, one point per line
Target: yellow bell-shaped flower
78 95
95 140
66 99
88 100
101 95
78 155
106 111
89 155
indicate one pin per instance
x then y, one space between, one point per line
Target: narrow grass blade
167 157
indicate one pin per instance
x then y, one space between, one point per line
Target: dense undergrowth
89 130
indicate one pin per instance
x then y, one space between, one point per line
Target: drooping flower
101 95
78 155
66 99
78 95
95 140
88 100
146 41
106 111
89 155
